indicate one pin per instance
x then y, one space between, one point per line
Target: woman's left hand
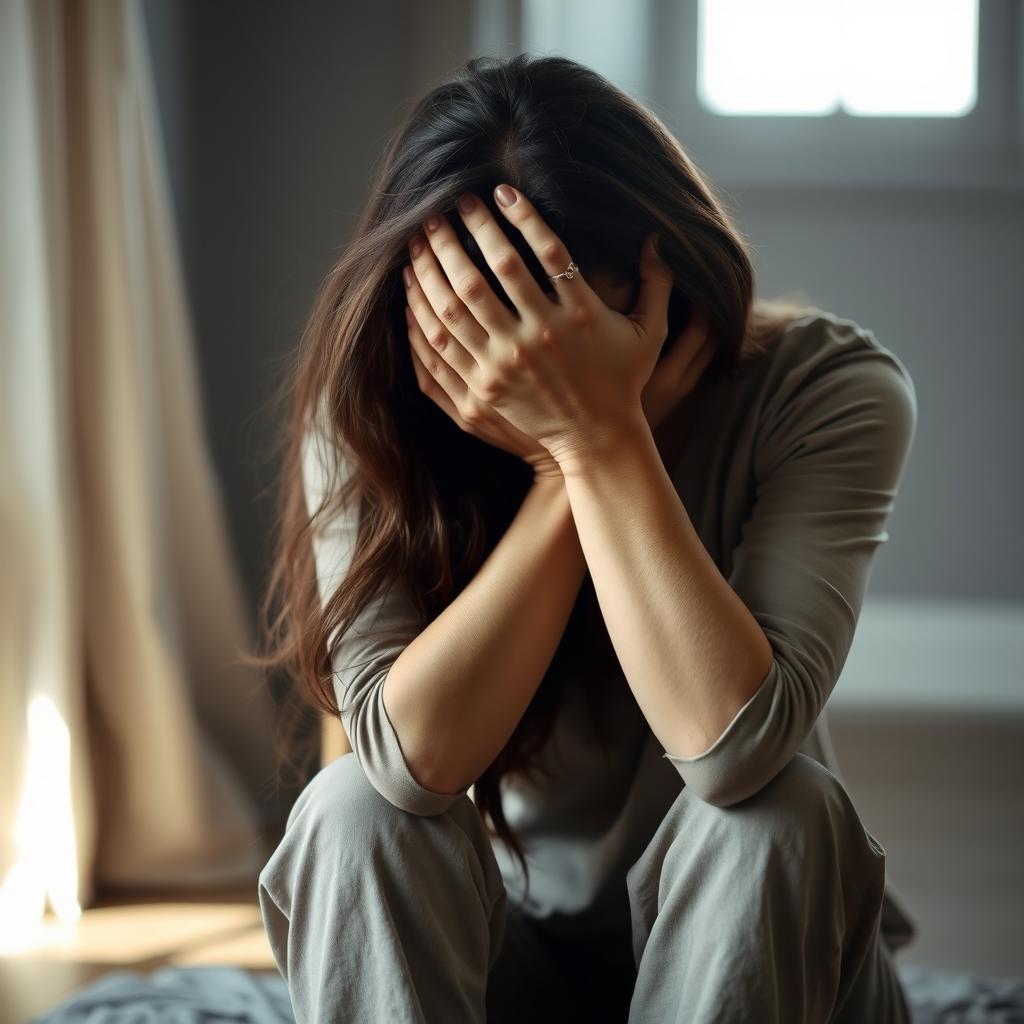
567 371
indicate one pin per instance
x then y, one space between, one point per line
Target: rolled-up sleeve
828 464
362 656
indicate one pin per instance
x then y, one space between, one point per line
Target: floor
137 932
943 794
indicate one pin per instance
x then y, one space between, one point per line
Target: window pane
767 56
814 57
909 57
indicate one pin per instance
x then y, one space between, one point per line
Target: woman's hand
440 383
673 380
567 372
675 376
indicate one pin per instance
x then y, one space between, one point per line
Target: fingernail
505 195
416 246
433 223
466 203
408 275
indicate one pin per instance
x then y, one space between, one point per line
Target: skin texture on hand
572 370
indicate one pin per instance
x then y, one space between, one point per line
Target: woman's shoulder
823 361
821 341
833 389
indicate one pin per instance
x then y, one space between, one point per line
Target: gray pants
764 911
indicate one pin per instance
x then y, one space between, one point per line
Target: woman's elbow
722 784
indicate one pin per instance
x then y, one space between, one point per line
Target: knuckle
520 355
582 315
437 338
472 413
506 263
450 314
549 336
491 387
470 287
553 253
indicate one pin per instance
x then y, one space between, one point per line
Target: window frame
981 149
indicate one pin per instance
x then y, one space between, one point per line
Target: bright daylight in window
885 58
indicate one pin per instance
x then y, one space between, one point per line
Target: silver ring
570 272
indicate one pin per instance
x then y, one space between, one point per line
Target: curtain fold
134 747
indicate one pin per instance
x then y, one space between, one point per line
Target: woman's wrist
549 480
549 492
545 467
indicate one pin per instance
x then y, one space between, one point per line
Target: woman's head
600 167
604 172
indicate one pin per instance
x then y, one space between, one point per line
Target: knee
804 807
341 826
343 817
340 801
799 794
338 822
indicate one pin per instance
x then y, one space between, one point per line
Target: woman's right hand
674 377
440 383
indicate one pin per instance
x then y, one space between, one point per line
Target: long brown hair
603 171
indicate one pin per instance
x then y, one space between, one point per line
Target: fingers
473 302
448 348
444 305
549 249
434 376
651 310
502 257
692 349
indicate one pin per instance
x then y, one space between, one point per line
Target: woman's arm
457 692
426 707
732 674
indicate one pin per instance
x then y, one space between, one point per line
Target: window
817 57
800 94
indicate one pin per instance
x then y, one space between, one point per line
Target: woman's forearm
691 651
457 692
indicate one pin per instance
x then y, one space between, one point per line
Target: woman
570 520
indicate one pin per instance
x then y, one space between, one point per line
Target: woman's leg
376 914
767 910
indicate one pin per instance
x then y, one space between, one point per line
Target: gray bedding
204 995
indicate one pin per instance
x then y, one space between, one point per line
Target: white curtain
133 745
